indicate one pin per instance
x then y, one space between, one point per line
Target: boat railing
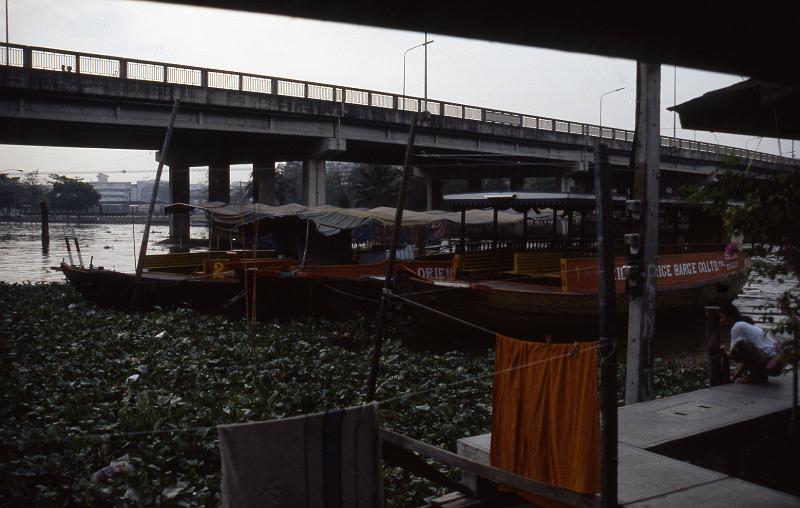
534 244
576 247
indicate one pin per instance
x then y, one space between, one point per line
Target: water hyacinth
82 387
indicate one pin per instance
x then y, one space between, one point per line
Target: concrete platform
661 421
647 479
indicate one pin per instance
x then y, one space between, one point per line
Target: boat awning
330 219
752 108
234 215
524 200
511 201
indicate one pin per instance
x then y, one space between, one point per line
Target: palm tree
376 185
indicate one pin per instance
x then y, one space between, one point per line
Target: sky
513 78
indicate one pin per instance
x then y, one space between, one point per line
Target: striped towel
325 460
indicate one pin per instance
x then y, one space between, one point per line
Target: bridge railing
57 60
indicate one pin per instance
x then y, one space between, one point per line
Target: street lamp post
403 108
601 106
7 50
425 94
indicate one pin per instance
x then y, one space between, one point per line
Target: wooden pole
154 195
463 232
795 416
642 305
719 372
387 281
569 226
45 226
525 230
583 227
494 230
606 326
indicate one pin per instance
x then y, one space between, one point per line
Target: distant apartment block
112 192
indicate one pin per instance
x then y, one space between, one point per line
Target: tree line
63 194
347 185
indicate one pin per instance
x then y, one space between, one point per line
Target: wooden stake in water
45 226
164 150
133 232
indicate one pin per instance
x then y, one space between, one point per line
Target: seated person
755 350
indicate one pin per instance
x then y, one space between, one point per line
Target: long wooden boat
566 304
283 288
119 290
322 268
546 283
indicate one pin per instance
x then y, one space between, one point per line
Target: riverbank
77 381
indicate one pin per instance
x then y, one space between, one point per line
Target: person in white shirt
755 350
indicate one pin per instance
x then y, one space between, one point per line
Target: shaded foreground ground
81 386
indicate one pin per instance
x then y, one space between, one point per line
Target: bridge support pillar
517 183
434 188
219 182
314 182
264 182
473 184
179 193
565 183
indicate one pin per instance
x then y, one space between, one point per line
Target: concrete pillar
179 193
219 182
314 182
434 188
517 183
565 184
264 182
473 184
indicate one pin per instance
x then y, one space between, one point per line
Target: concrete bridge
56 97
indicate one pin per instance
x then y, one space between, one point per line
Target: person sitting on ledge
754 350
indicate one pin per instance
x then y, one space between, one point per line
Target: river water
112 246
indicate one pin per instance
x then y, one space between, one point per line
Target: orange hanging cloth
545 414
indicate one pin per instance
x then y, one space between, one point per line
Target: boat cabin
558 240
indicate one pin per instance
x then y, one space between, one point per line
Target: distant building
112 192
143 191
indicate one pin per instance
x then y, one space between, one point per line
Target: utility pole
642 263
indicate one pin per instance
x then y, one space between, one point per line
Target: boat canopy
331 220
522 201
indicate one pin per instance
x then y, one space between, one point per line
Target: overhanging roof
752 107
737 37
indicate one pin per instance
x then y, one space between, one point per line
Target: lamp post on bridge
7 50
426 69
601 107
